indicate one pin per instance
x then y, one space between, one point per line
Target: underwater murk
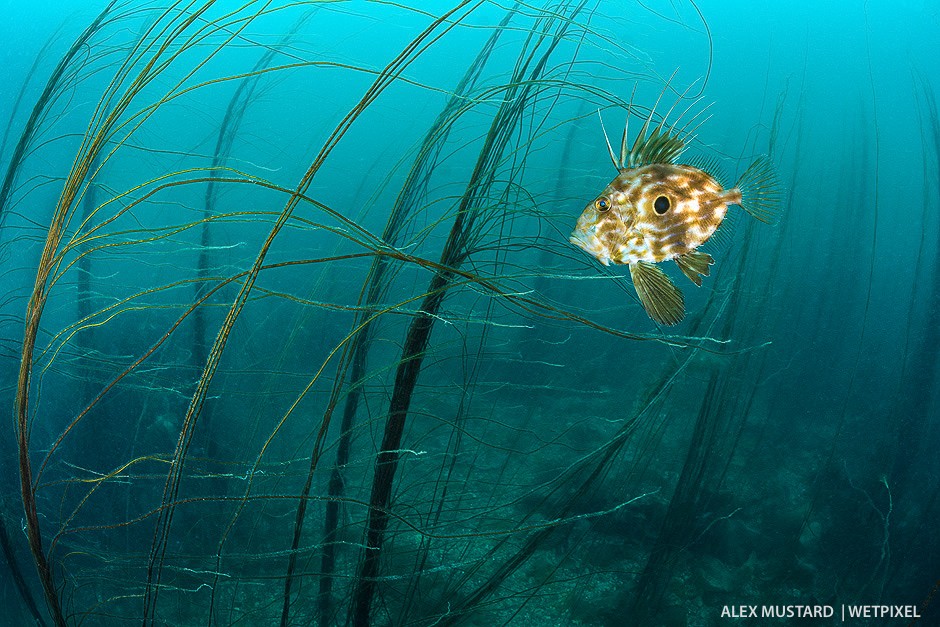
426 313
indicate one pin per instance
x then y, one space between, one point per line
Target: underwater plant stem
53 85
335 488
17 574
388 76
919 365
679 517
27 491
817 490
408 200
22 92
455 251
386 464
228 130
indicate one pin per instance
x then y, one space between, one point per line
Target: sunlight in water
355 313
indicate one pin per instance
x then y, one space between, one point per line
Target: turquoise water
292 332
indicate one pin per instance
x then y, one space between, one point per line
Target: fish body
657 209
653 213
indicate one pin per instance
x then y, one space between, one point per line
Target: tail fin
760 191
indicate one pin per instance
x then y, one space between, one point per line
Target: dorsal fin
710 166
660 146
607 139
663 142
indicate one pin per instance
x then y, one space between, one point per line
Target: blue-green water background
780 443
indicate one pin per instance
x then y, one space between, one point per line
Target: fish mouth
591 245
577 238
584 242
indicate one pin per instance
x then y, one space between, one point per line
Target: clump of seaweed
169 58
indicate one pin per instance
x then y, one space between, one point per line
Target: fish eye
602 204
661 205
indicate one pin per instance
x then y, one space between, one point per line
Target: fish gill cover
292 332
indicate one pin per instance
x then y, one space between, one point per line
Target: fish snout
581 239
589 243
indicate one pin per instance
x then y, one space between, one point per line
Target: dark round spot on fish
661 205
602 204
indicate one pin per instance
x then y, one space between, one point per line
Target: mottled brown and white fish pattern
657 210
635 231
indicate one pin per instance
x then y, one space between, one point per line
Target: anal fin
659 295
695 264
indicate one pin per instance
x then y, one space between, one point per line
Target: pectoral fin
660 297
695 264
